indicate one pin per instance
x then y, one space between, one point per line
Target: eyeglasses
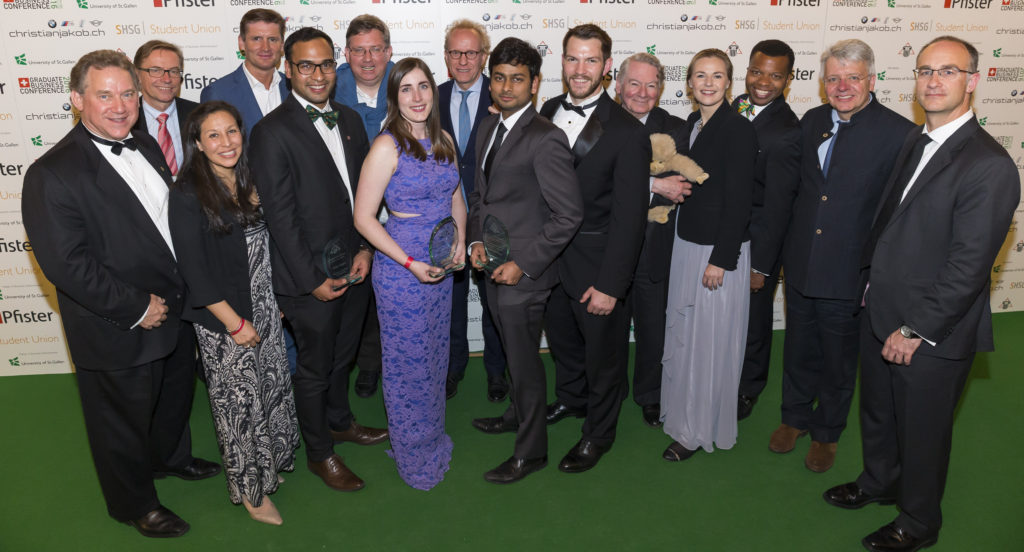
471 55
159 72
756 73
307 67
944 73
373 50
850 79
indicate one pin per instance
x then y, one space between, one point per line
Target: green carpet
747 498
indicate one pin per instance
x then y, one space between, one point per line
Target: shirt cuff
141 318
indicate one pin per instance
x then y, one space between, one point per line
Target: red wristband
241 325
408 262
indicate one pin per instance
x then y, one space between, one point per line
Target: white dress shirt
332 138
572 123
267 98
939 137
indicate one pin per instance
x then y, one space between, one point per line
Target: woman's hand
247 336
460 255
713 277
425 273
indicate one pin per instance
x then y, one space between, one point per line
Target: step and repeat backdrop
42 39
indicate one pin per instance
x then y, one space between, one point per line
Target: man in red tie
162 113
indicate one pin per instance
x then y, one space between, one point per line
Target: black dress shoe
676 452
495 425
583 456
514 469
893 538
744 406
451 387
366 383
193 471
652 414
851 497
497 388
160 523
558 411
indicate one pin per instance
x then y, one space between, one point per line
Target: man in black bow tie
95 210
587 321
307 154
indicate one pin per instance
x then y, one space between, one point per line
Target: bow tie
330 117
116 147
579 109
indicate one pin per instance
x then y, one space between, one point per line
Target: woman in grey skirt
709 281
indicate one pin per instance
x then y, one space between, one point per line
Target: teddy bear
665 159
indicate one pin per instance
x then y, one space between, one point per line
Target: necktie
892 201
831 146
494 150
330 117
464 123
163 137
577 108
116 147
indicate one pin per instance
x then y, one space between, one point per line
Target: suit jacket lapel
444 101
350 154
939 161
513 136
245 98
310 137
550 107
485 129
593 130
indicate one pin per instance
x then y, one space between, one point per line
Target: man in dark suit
95 210
256 87
162 113
309 152
586 319
639 84
464 100
776 181
948 205
849 147
527 182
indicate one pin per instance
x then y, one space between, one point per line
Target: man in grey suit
943 218
526 181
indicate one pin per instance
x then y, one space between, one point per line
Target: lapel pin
825 134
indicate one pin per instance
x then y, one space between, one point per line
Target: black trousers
136 419
458 357
758 354
327 335
369 356
646 305
519 317
819 363
906 418
590 369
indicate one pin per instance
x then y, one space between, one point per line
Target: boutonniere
745 107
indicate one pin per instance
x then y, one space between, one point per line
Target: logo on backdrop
967 4
32 4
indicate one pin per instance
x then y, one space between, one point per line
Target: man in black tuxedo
95 210
849 147
463 102
162 113
638 85
586 319
308 153
947 207
527 182
776 181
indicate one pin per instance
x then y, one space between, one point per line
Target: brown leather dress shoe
336 474
360 435
784 438
160 523
851 496
893 538
820 457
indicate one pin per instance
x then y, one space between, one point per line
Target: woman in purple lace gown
411 166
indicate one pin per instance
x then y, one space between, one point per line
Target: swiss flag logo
8 1
22 82
991 71
160 3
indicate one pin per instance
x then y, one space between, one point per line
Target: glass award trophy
443 246
497 244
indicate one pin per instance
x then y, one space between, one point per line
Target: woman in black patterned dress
222 247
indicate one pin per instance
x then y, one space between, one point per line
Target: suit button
818 231
177 295
824 198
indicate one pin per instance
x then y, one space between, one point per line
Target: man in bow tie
307 154
95 210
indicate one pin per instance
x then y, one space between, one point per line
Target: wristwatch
907 332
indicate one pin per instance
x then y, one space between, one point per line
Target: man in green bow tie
307 155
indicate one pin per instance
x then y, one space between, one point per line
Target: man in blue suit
256 87
368 57
466 45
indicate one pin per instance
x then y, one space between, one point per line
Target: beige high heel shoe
265 513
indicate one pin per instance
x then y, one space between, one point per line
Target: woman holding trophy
412 168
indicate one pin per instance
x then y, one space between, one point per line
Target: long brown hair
212 194
441 145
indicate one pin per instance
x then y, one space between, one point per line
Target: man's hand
360 267
507 274
756 281
899 349
600 304
325 291
155 314
478 256
674 188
